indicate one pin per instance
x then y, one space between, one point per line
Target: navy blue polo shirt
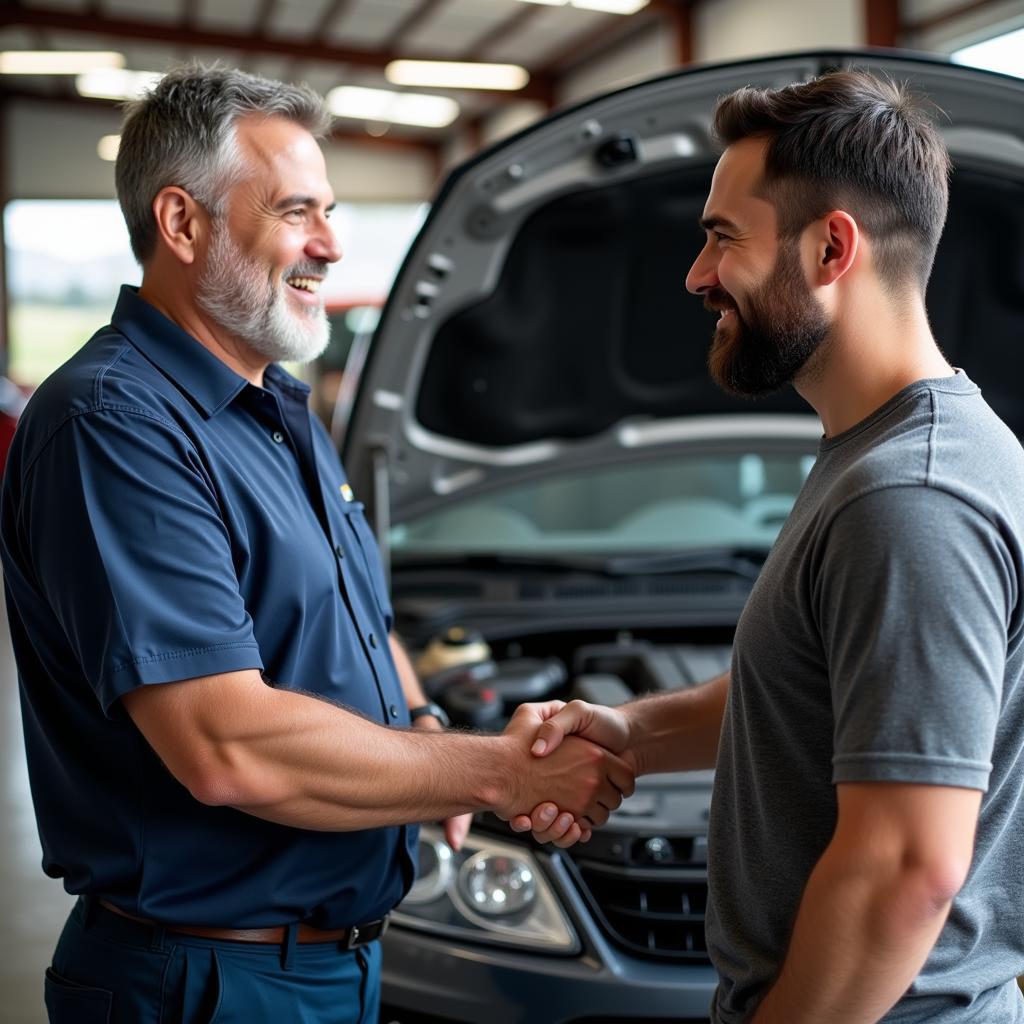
163 519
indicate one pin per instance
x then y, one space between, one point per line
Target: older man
217 732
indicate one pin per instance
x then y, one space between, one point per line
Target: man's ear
837 239
180 221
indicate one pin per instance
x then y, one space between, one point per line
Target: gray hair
182 133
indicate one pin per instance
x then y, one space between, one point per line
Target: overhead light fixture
413 108
108 146
451 74
116 83
611 6
605 6
57 62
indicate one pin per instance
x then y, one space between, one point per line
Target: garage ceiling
326 43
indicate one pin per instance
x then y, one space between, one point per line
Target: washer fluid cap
455 646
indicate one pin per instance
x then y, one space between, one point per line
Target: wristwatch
432 709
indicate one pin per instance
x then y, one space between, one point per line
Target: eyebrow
301 200
713 222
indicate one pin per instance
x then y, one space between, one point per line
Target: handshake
574 764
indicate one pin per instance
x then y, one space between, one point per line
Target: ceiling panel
549 33
296 19
145 10
369 23
458 24
228 15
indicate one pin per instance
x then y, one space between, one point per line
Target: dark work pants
110 970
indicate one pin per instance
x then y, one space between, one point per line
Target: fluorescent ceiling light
116 83
108 146
607 6
1004 53
414 108
450 74
57 62
612 6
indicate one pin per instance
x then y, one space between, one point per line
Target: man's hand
584 779
556 720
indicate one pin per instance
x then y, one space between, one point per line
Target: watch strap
432 709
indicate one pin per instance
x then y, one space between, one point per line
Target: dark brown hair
849 140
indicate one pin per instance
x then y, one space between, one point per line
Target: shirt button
277 436
339 550
373 640
394 711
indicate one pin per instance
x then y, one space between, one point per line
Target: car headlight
489 891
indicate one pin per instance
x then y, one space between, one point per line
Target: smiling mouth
305 284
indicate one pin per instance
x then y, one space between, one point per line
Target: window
1003 53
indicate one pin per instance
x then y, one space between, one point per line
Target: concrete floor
34 906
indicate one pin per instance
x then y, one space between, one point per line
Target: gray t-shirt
884 640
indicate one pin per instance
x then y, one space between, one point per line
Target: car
13 400
568 507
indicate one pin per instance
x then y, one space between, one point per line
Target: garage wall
640 57
733 29
42 141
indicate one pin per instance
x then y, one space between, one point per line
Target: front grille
654 912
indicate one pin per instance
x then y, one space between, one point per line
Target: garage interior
49 150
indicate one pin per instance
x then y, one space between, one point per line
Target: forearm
678 731
411 688
303 762
860 938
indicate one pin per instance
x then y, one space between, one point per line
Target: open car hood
540 322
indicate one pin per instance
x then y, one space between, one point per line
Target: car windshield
692 501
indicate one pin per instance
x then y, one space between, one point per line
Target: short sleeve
914 594
127 540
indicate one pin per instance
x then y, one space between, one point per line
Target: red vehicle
12 401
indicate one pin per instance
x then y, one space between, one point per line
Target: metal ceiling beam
411 22
599 40
882 22
255 44
263 15
332 12
515 21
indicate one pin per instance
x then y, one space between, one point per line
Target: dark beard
784 326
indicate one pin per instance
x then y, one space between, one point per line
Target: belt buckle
360 934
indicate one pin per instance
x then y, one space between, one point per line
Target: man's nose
324 245
703 275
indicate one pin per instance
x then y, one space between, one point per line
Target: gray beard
236 293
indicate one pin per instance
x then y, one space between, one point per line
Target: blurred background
416 87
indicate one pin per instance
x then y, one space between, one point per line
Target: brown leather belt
352 937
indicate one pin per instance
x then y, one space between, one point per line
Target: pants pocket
70 1003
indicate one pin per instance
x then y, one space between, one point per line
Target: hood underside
540 318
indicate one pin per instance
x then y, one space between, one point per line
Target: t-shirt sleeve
914 595
128 542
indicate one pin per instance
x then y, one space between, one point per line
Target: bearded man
217 718
866 837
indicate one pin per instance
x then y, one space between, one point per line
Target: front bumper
429 978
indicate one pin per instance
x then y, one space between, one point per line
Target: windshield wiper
742 562
739 562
